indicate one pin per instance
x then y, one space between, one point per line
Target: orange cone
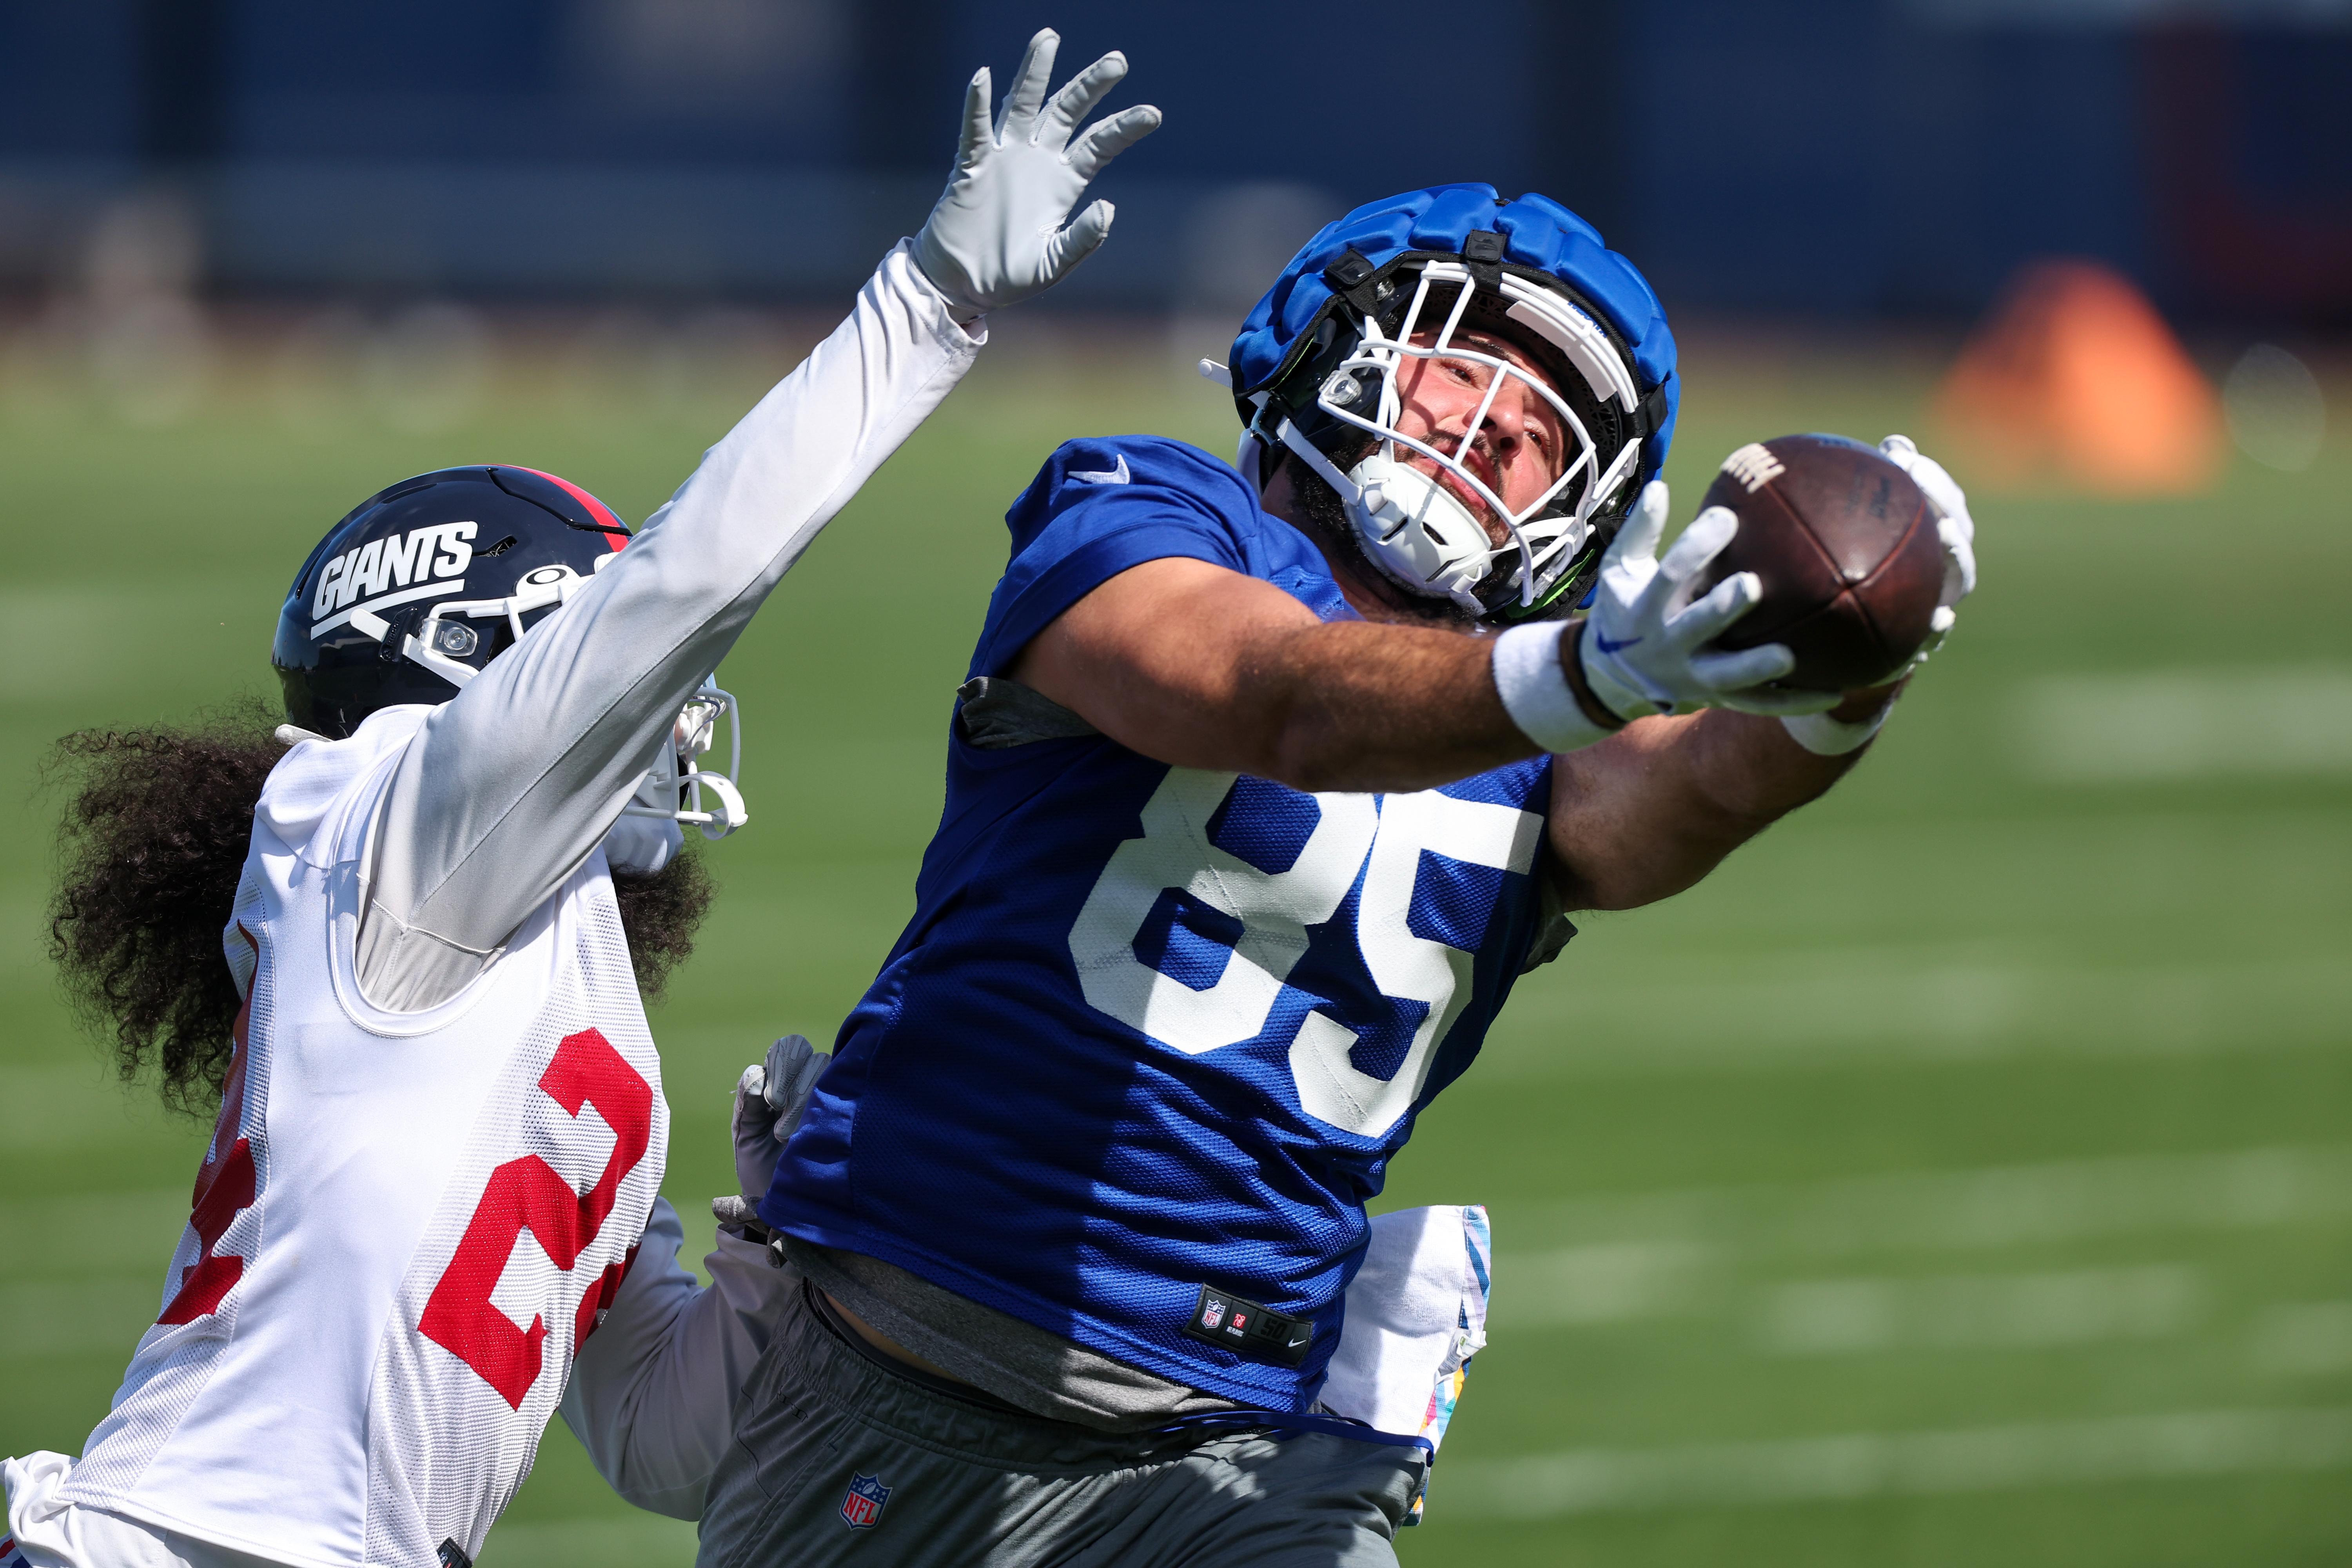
2076 378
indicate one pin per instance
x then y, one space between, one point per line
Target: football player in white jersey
441 1131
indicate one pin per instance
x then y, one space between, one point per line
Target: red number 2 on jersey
527 1194
225 1186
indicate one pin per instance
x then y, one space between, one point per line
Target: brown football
1847 549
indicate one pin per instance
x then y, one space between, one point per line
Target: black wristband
1571 669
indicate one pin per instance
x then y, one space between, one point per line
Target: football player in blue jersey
1267 783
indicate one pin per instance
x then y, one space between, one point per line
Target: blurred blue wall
1843 157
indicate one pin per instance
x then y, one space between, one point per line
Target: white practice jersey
444 1130
406 1223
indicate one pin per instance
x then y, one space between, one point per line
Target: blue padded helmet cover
1539 233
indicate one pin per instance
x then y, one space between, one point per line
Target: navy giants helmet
412 594
1315 372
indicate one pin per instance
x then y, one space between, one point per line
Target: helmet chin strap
1302 448
634 847
1416 531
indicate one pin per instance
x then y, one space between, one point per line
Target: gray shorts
838 1459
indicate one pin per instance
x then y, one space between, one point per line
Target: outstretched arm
1652 810
514 783
511 783
1647 812
1198 666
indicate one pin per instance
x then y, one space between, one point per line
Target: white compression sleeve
511 783
652 1395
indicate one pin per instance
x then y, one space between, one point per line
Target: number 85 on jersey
1384 838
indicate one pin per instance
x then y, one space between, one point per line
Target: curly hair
660 915
150 851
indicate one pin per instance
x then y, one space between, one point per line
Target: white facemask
1418 530
674 787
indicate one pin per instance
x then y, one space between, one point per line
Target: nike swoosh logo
1117 476
1606 646
1296 1343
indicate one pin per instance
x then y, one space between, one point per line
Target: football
1846 546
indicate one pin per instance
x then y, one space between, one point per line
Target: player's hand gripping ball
1650 642
1847 550
1954 527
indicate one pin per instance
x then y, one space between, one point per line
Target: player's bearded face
1516 451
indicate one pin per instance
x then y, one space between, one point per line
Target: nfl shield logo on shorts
861 1508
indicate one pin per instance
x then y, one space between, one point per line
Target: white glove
1827 737
997 236
1642 649
1954 527
768 1099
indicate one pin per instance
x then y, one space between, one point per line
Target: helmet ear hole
456 639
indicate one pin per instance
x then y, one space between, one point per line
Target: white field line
2311 1339
46 649
2000 1206
1903 1464
2002 1312
1881 1013
24 933
2185 724
1650 1254
1614 1283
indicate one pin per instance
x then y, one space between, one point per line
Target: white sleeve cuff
1827 737
1534 691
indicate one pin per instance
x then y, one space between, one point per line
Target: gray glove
997 236
768 1099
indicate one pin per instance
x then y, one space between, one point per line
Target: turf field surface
1961 1174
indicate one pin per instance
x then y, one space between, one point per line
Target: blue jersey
1157 1031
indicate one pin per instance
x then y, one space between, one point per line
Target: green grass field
1962 1175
